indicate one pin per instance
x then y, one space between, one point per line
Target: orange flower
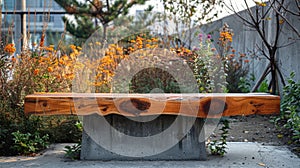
154 39
226 36
36 71
62 62
231 55
72 46
79 48
130 49
49 48
50 69
70 76
10 48
242 55
13 59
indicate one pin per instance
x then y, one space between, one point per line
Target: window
41 3
51 19
9 5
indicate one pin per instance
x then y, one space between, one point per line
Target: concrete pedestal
116 137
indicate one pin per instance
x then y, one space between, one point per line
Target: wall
246 41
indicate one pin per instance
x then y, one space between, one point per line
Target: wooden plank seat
176 133
208 105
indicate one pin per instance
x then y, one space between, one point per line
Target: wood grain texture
199 105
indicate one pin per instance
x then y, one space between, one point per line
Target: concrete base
98 129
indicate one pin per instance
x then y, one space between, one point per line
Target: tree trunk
273 84
273 79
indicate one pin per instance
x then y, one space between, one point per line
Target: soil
257 129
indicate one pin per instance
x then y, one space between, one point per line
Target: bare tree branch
231 8
263 52
286 20
273 12
290 11
277 29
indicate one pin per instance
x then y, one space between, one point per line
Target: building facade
35 23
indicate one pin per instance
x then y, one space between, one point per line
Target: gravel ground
259 129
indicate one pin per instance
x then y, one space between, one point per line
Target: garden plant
54 68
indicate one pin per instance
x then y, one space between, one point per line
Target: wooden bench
149 115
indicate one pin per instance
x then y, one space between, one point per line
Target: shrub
219 69
29 143
209 67
153 78
13 121
73 151
218 147
290 108
61 129
40 69
236 63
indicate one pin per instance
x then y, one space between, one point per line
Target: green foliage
290 108
154 78
236 77
82 28
209 69
218 147
19 133
63 129
79 125
88 14
13 120
201 10
29 143
264 87
244 84
73 151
